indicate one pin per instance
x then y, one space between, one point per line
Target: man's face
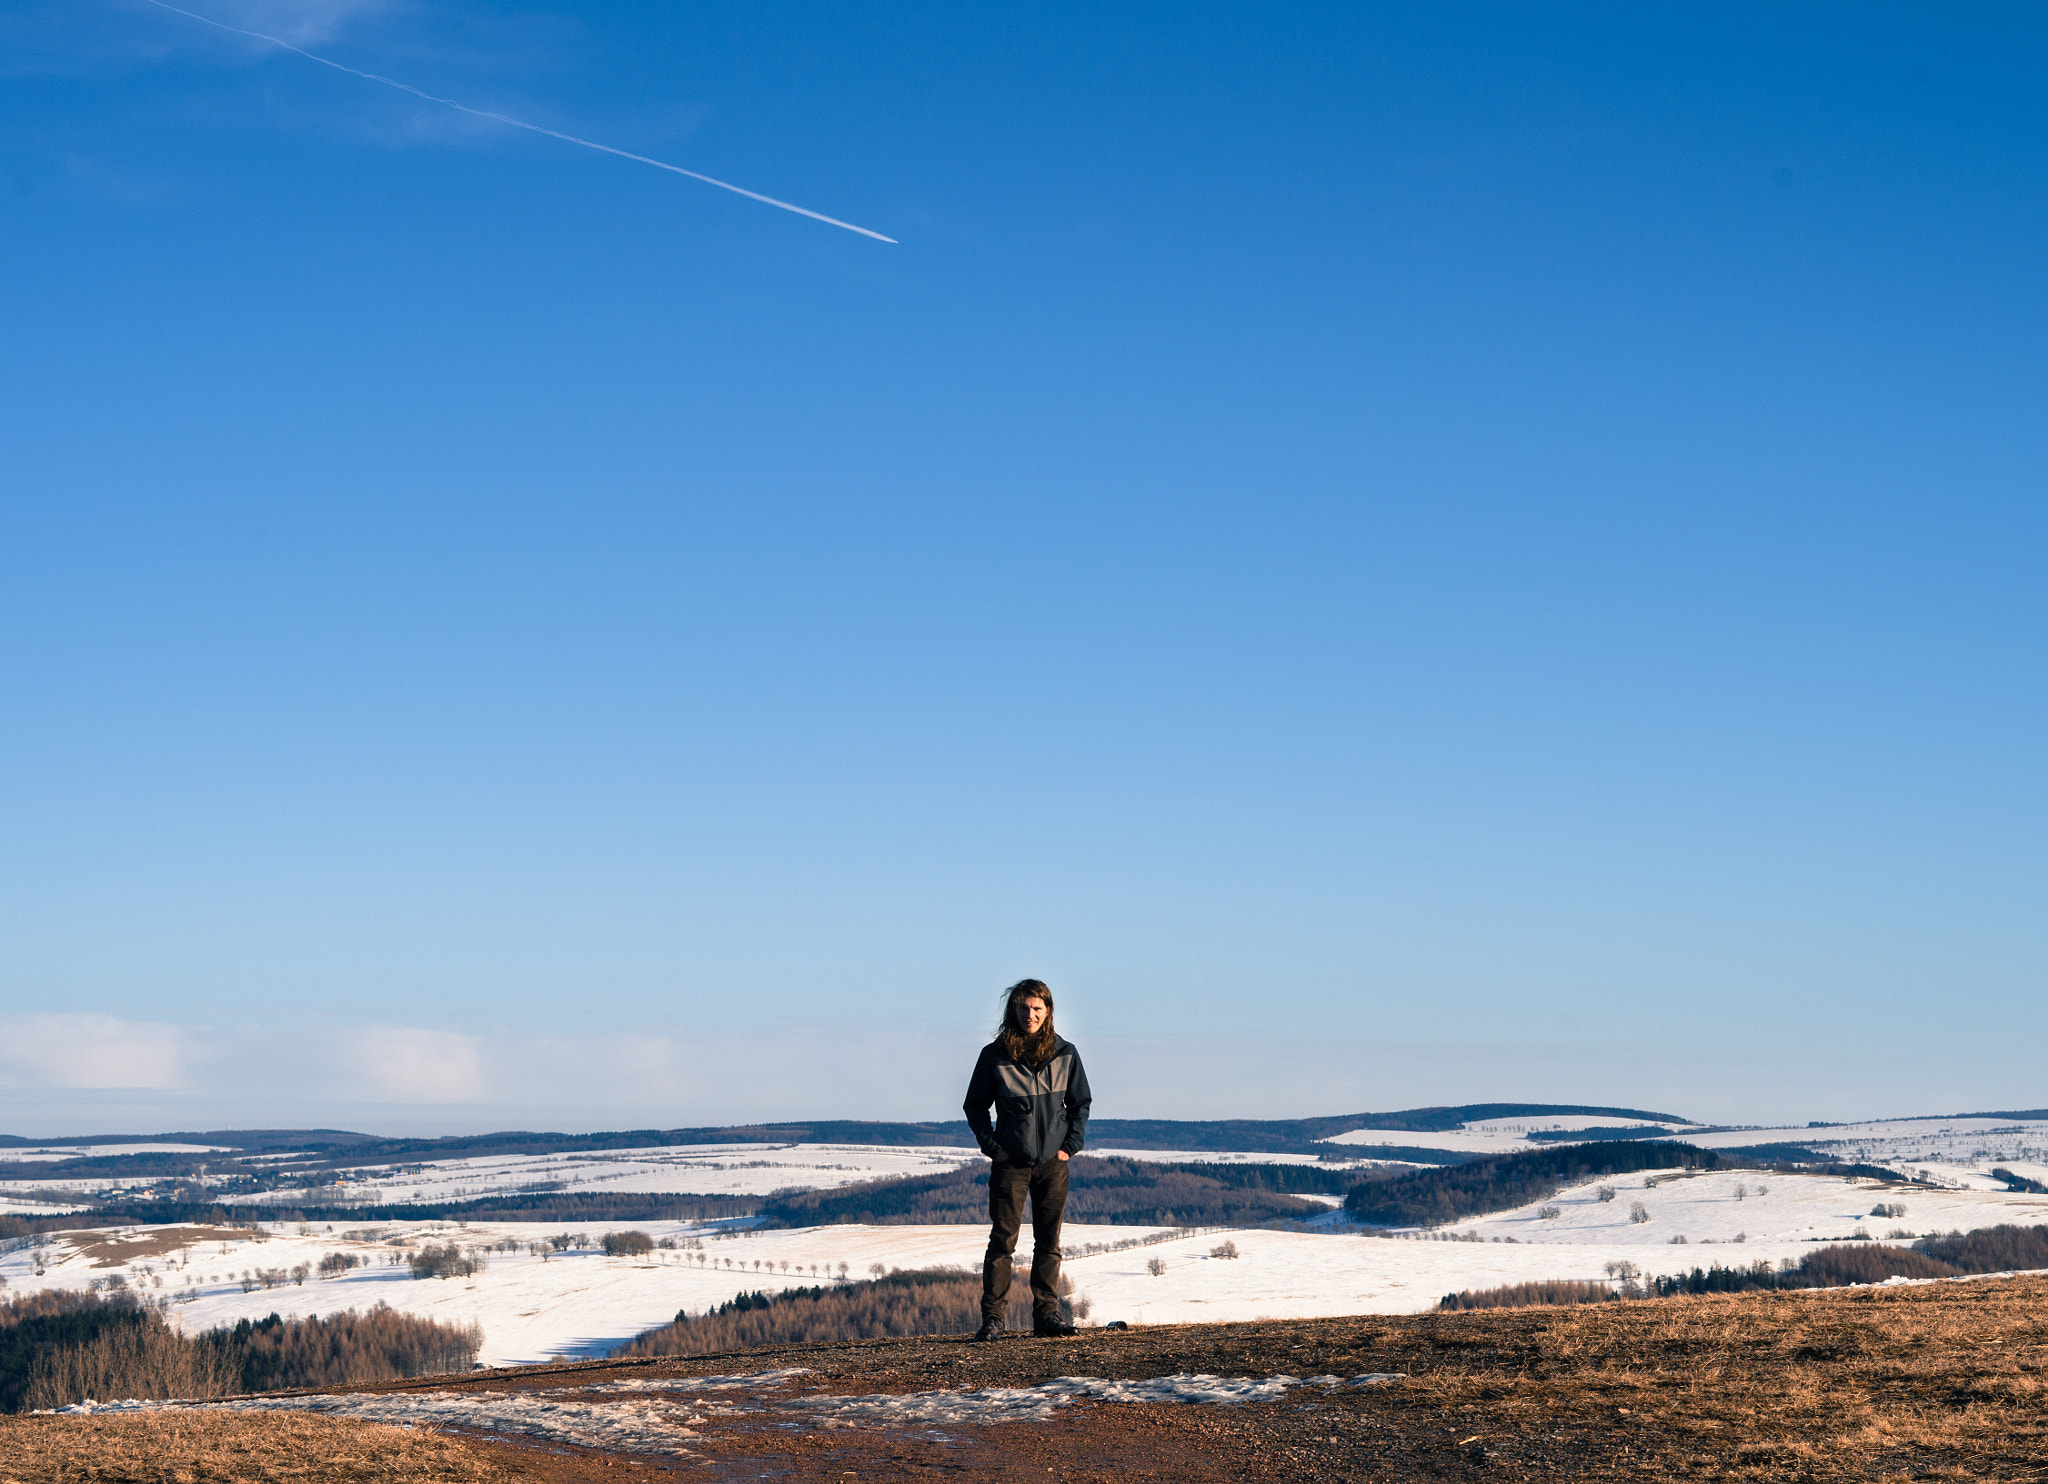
1029 1013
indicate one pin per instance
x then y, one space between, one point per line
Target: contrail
723 185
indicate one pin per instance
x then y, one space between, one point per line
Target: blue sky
1394 555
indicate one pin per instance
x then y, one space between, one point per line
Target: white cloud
91 1051
408 1064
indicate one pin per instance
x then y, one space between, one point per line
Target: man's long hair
1016 1044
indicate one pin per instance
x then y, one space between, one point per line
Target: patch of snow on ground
662 1426
568 1414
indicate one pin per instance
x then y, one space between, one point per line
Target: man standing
1041 1098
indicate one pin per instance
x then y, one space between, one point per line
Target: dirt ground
1940 1381
199 1447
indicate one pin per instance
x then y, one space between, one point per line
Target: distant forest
61 1346
1501 1182
1992 1249
915 1303
594 1207
1995 1249
1123 1192
1287 1135
1103 1189
1595 1135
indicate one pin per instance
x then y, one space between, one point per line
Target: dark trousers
1007 1185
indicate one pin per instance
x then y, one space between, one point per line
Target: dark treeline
1799 1159
611 1206
2019 1184
1777 1154
1829 1267
1501 1182
1994 1249
1280 1179
1528 1295
1990 1249
88 1166
917 1303
381 1345
1596 1135
155 1213
1123 1192
1299 1135
472 1146
229 1138
1411 1154
36 1326
61 1347
1291 1135
1865 1172
1443 1120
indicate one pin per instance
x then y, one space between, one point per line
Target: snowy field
41 1207
580 1302
1498 1135
34 1152
1961 1150
685 1169
1955 1151
679 1169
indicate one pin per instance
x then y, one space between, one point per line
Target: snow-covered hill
581 1302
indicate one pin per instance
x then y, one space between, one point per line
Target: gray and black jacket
1041 1107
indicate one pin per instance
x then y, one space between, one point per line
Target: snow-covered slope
581 1302
1494 1135
686 1169
1962 1149
1731 1206
699 1169
31 1153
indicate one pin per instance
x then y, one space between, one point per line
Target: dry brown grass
159 1241
1944 1381
1938 1381
185 1447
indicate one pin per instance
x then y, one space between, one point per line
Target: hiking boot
1052 1328
991 1329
